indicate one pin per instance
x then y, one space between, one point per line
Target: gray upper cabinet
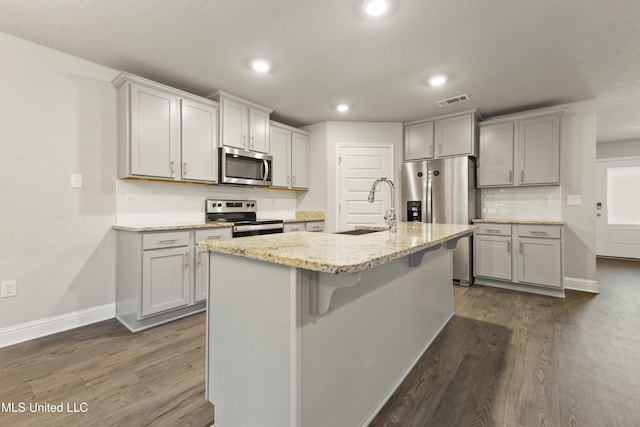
443 136
418 141
289 148
518 151
162 131
243 124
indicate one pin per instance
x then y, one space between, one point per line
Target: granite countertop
340 253
517 221
171 226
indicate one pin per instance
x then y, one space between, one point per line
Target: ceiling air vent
453 100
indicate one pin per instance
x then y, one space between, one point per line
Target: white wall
614 149
179 203
328 135
57 117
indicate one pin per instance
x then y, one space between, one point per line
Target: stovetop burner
243 215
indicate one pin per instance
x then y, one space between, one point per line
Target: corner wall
57 117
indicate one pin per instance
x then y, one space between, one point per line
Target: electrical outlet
8 289
131 199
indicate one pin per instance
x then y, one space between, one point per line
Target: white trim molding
52 325
583 285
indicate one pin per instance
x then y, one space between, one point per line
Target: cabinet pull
214 238
509 247
244 141
184 169
198 256
186 260
539 233
294 180
251 142
288 180
520 248
172 163
165 242
439 148
493 231
510 177
430 150
521 176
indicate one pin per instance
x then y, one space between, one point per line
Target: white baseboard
51 325
583 285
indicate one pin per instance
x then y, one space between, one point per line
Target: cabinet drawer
315 226
544 231
495 229
167 239
213 234
294 226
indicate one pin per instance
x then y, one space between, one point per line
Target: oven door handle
257 227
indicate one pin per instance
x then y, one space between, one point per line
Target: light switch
574 199
76 180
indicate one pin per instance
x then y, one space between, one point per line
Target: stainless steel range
242 213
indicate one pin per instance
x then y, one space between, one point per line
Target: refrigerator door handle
429 204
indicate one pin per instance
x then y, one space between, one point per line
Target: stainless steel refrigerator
443 191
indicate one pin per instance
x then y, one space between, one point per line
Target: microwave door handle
266 170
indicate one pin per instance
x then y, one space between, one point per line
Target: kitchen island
313 329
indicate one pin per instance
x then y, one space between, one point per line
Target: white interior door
618 208
359 167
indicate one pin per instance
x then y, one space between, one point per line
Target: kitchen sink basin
358 232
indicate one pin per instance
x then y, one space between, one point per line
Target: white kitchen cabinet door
154 133
259 132
495 160
418 141
299 160
539 261
492 257
539 150
280 150
235 123
165 279
202 259
199 141
454 136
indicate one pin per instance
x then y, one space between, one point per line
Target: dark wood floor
505 359
514 359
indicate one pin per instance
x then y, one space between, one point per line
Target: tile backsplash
521 203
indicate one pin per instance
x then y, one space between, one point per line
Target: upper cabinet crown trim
524 115
287 127
444 116
222 94
131 78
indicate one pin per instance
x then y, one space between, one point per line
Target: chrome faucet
389 214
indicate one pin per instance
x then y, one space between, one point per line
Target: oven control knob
219 205
252 205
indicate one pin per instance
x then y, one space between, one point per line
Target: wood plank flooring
505 359
515 359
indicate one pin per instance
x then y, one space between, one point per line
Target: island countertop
339 253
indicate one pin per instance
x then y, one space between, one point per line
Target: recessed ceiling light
376 7
438 80
260 65
343 108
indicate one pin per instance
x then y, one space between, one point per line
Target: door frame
339 146
599 164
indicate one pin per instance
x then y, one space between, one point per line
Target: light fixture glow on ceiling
343 108
438 80
260 65
376 7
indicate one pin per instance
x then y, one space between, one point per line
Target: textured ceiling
506 55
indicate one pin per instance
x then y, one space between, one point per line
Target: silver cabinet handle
166 242
184 169
288 180
520 248
510 177
251 145
214 238
172 163
198 256
431 150
294 180
509 247
493 231
244 141
521 176
539 233
186 260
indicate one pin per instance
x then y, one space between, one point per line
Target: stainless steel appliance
244 167
242 213
443 191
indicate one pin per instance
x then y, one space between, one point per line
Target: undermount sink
358 232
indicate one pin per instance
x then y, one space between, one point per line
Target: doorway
618 207
359 166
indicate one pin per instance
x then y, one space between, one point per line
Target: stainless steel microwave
244 167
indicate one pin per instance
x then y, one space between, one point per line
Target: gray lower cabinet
529 255
315 226
161 275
